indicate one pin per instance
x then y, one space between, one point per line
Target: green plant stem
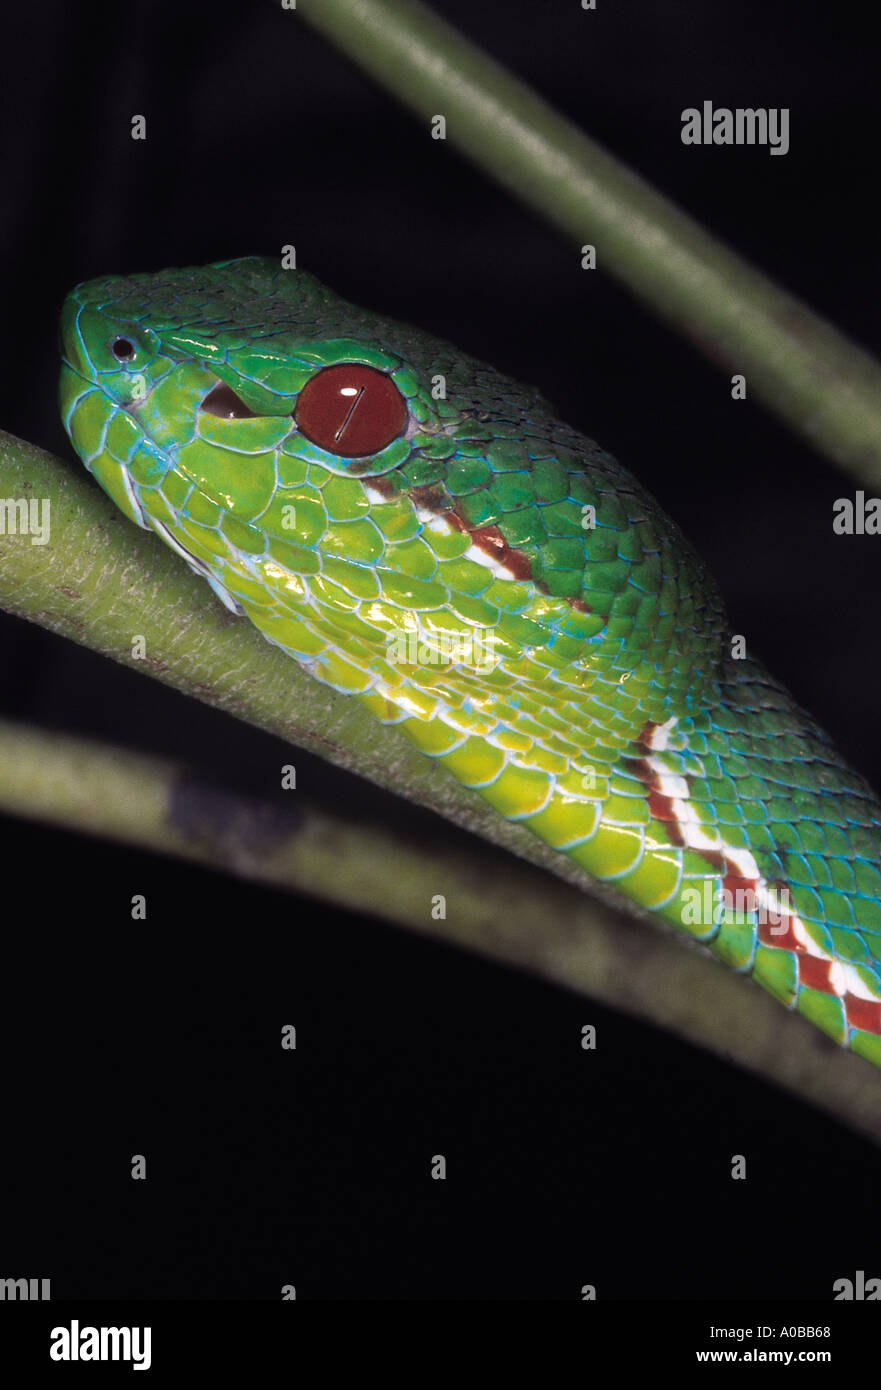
796 362
504 909
105 584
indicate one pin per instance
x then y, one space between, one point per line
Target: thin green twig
797 363
491 903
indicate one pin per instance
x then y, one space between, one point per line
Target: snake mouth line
199 567
164 534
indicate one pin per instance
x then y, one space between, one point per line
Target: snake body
420 532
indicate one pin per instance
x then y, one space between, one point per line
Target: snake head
202 377
340 477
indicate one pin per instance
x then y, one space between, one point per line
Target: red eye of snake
351 410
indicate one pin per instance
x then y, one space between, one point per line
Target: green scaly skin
601 704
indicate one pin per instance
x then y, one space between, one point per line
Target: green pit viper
420 532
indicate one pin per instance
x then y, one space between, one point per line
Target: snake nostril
223 402
123 349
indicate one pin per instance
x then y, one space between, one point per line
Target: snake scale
420 532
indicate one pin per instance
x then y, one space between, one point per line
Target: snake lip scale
382 507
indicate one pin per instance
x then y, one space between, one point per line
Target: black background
267 1168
